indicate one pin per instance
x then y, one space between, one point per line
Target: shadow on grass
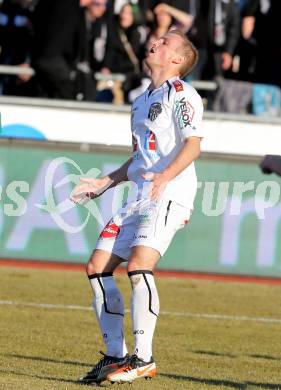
220 354
267 357
214 382
211 353
48 360
223 382
49 378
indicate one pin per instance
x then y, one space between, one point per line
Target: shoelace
132 363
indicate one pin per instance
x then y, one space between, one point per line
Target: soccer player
166 134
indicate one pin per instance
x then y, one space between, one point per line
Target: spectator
60 44
245 52
215 33
99 15
15 44
178 4
124 49
166 17
261 25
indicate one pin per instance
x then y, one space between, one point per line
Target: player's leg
145 300
144 313
109 309
154 232
108 302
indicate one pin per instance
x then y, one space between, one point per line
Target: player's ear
178 59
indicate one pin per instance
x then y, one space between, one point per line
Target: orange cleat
133 368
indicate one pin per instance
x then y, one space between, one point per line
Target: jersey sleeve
188 112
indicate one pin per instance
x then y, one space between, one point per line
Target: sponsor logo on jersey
184 112
154 110
150 140
178 86
111 230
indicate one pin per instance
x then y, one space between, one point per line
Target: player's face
163 51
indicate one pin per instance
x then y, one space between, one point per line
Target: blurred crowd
70 42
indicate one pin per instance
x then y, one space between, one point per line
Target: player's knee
135 265
90 268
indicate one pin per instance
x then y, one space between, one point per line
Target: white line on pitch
164 312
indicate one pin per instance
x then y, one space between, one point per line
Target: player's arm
189 153
120 174
94 187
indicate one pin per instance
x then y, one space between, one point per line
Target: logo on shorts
178 86
111 230
140 236
154 111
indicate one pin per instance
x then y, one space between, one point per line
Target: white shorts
143 223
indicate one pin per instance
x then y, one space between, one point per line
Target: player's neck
159 78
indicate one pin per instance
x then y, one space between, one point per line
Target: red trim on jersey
151 141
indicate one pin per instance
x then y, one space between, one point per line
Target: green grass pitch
223 335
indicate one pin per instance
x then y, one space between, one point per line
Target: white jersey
161 120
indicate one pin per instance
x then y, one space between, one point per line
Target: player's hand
89 188
161 7
159 183
226 61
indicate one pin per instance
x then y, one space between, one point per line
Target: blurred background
70 49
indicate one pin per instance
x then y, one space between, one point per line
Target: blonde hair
188 51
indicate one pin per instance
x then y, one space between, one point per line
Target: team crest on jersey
178 86
154 111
